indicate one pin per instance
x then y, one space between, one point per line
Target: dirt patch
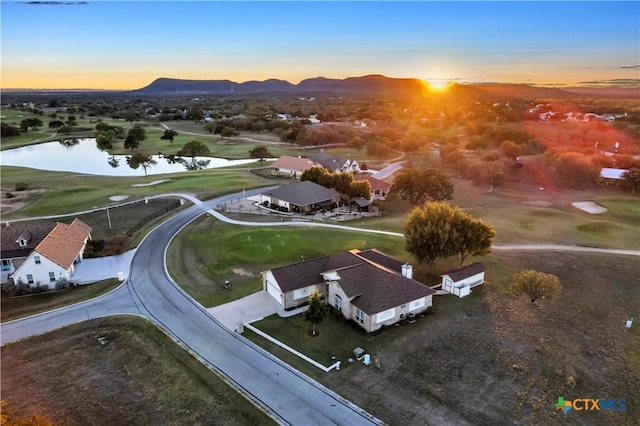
242 272
589 207
117 371
11 200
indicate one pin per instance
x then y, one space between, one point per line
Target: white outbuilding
460 281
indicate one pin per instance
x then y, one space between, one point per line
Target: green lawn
241 253
18 307
65 192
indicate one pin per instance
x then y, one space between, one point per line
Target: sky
127 45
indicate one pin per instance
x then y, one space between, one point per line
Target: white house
55 257
368 287
460 281
18 241
290 167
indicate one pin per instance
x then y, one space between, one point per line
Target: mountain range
369 84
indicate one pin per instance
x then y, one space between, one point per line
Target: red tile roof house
301 197
460 281
55 257
17 241
368 287
290 167
379 188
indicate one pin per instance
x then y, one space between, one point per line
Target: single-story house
379 188
610 175
290 167
301 197
368 287
17 241
460 281
335 164
54 258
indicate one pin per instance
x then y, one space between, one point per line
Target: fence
171 205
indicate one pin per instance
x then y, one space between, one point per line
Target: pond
82 156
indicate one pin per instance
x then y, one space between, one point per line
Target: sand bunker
119 197
154 182
589 207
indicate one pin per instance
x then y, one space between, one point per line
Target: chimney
407 271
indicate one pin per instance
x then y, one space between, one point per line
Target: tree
30 123
227 132
169 134
317 311
510 149
56 124
470 236
104 141
631 179
536 284
193 149
420 185
438 230
141 159
428 231
8 130
135 135
260 152
318 175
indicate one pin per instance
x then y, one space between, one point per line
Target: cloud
55 3
631 67
615 82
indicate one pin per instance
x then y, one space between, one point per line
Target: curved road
289 396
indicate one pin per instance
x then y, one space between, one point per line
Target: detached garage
460 281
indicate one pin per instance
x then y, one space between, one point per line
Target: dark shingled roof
303 274
466 271
10 249
376 290
375 255
328 161
372 277
303 193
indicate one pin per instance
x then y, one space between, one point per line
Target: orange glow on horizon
438 85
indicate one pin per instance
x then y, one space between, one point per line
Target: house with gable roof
460 281
17 241
54 258
368 287
301 197
290 167
335 164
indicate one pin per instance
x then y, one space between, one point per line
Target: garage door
274 292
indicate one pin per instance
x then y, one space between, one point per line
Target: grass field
140 377
494 358
65 192
18 307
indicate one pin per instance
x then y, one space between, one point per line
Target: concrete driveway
101 268
250 308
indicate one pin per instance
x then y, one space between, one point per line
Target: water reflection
84 157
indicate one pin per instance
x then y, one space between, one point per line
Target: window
6 265
338 303
30 279
22 242
359 316
36 259
52 276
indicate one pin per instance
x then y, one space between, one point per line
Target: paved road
289 396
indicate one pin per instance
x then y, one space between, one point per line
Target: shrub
22 186
9 195
62 284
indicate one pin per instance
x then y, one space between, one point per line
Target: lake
84 157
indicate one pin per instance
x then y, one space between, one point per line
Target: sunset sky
127 45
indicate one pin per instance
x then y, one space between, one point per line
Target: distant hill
368 84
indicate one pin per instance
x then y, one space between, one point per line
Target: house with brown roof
368 287
379 188
290 167
301 197
17 241
54 258
460 281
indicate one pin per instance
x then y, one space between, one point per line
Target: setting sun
438 84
